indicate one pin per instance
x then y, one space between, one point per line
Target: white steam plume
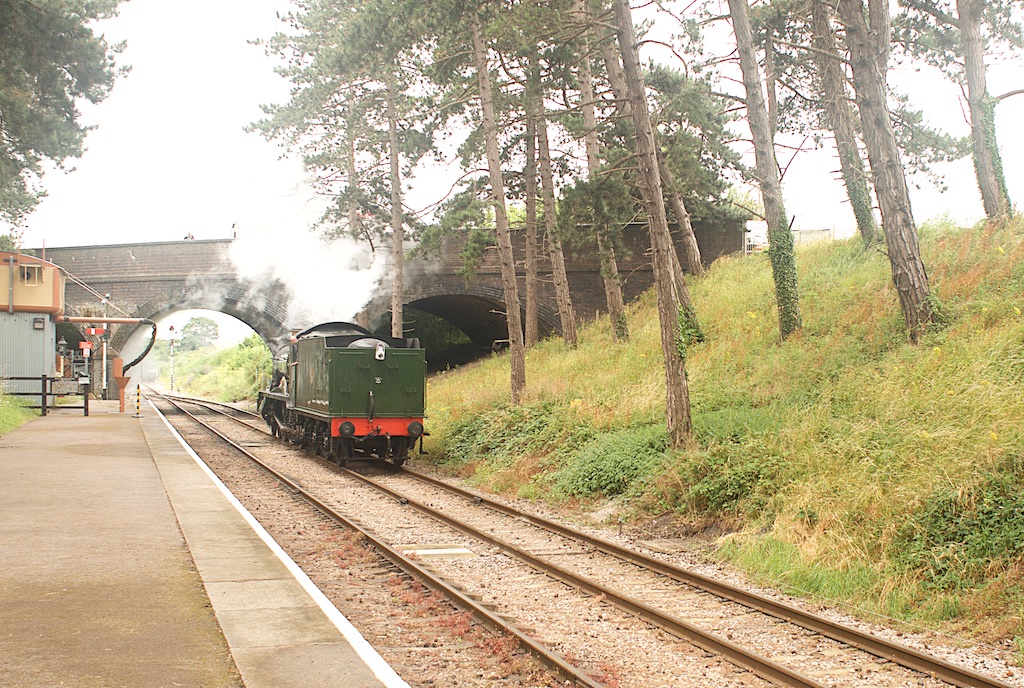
328 281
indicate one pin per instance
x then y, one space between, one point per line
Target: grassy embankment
12 414
845 462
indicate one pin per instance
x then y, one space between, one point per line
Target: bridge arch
261 306
151 280
477 310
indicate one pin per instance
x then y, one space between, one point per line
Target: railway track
883 649
797 648
393 556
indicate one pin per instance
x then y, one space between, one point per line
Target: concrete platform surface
124 562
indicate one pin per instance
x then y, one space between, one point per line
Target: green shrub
960 536
730 477
498 436
733 422
614 462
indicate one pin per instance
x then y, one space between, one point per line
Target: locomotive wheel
401 451
343 451
321 440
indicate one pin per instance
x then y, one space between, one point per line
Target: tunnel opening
202 352
455 329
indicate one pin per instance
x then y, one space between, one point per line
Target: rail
47 391
461 601
880 647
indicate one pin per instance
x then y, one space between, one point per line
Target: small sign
83 380
86 353
85 346
95 330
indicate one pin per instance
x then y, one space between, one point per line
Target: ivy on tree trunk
780 238
988 164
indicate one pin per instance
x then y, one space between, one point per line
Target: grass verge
847 462
12 414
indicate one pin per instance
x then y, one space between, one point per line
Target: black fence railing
52 388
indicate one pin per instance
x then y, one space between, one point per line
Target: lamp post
62 350
106 298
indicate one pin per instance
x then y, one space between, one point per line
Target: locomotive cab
346 393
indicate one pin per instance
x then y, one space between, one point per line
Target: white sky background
169 156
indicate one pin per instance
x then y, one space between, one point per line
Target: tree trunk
617 81
770 79
677 390
517 354
869 52
397 220
532 280
988 164
605 251
353 183
566 314
840 120
691 252
780 238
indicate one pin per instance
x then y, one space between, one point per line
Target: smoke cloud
328 281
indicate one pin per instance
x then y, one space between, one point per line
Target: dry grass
845 431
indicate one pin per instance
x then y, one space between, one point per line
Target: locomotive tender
346 393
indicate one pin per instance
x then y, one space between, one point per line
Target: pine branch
928 8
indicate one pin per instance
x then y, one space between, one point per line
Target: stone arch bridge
150 280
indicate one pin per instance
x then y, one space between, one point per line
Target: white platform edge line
380 668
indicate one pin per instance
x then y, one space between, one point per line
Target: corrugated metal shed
28 342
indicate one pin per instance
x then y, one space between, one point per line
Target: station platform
125 562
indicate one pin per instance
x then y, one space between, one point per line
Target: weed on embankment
855 465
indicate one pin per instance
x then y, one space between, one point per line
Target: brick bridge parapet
150 280
476 306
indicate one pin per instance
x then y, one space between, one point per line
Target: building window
32 275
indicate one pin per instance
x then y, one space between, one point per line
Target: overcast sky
169 155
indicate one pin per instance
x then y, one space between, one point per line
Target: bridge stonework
476 306
151 280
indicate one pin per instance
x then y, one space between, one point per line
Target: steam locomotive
346 393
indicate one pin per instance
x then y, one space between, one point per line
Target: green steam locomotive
345 393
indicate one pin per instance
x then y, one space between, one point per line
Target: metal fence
50 389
